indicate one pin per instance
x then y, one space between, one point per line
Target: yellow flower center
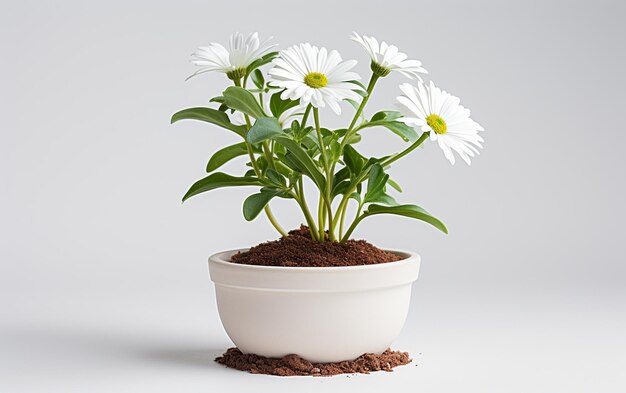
437 123
315 80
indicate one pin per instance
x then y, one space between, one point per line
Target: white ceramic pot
324 314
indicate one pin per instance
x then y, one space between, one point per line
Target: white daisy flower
440 113
234 60
314 75
386 58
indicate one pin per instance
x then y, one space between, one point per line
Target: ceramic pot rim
316 279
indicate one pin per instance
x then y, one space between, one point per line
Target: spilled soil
292 365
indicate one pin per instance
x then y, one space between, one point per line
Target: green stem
316 117
356 222
343 217
305 117
273 220
268 155
321 214
326 197
342 220
370 88
351 130
406 151
257 170
346 196
305 208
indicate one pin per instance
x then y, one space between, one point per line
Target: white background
103 276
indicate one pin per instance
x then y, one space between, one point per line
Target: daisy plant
277 117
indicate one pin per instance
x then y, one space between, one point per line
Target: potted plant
315 292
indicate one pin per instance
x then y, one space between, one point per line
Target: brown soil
292 365
298 249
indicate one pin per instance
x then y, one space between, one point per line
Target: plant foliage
286 148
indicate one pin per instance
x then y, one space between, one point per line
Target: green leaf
263 129
374 160
354 138
258 79
278 105
341 132
407 133
226 154
356 196
376 190
262 163
219 180
310 141
385 199
290 162
255 203
219 99
377 179
412 211
260 62
354 104
333 147
361 85
276 178
353 160
326 133
342 174
387 119
209 115
301 159
362 91
242 100
386 115
395 185
295 126
341 188
298 132
283 169
376 183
